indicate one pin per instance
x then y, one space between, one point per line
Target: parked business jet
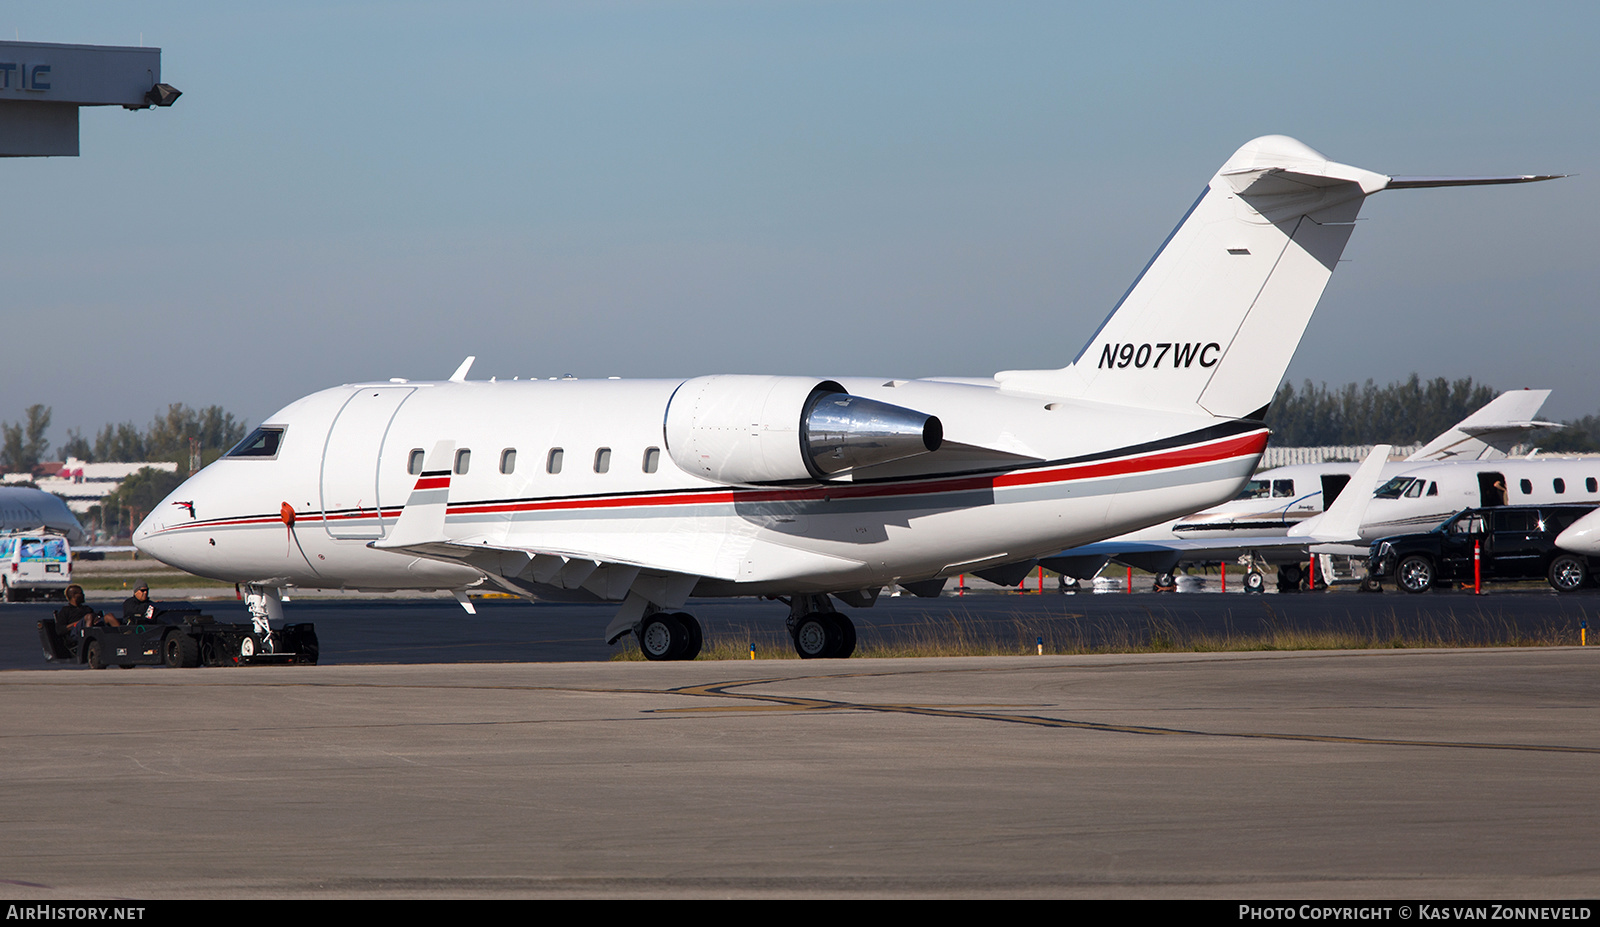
1420 498
23 508
1274 501
799 488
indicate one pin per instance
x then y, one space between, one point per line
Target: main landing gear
819 632
670 636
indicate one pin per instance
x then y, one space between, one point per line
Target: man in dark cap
138 607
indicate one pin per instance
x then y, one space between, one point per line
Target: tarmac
1430 774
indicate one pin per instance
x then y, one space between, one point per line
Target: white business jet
1249 528
804 489
1419 498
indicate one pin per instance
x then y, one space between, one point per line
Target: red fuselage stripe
1210 452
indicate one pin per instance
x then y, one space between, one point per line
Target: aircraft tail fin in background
1342 521
1492 431
1211 323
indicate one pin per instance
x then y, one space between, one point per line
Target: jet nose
156 536
149 539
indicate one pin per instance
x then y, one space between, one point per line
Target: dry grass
963 636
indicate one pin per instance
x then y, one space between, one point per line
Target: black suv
1518 542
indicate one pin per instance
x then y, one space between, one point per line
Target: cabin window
1589 485
602 460
1559 485
414 461
652 460
552 463
508 460
261 444
463 460
1283 489
1256 489
1527 487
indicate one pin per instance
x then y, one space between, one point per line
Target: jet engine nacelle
755 429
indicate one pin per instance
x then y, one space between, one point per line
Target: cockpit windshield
1256 489
1395 488
263 442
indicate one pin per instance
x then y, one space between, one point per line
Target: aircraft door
350 459
1492 489
1332 485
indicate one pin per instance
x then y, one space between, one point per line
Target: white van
35 566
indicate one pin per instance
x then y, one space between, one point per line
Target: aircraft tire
1166 581
1414 574
1254 581
1371 583
847 635
662 637
817 636
1568 573
694 638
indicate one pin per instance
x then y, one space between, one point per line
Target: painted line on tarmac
792 703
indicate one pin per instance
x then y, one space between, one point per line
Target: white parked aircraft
1276 500
23 508
645 492
1420 498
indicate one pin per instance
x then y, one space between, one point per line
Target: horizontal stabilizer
1412 183
1492 431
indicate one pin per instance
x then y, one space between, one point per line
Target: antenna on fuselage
460 376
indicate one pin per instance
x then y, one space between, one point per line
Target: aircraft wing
1341 523
530 571
662 569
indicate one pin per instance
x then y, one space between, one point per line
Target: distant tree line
1409 411
23 445
1581 436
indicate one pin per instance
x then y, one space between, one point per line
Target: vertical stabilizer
1211 323
1491 432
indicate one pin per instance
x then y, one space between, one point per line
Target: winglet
460 376
1342 520
422 519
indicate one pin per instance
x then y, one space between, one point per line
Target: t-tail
1211 323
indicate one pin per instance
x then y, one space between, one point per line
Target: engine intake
756 429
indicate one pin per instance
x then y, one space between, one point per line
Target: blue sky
364 190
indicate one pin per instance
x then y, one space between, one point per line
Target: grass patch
963 636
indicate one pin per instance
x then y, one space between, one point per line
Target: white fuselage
1018 476
1431 493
